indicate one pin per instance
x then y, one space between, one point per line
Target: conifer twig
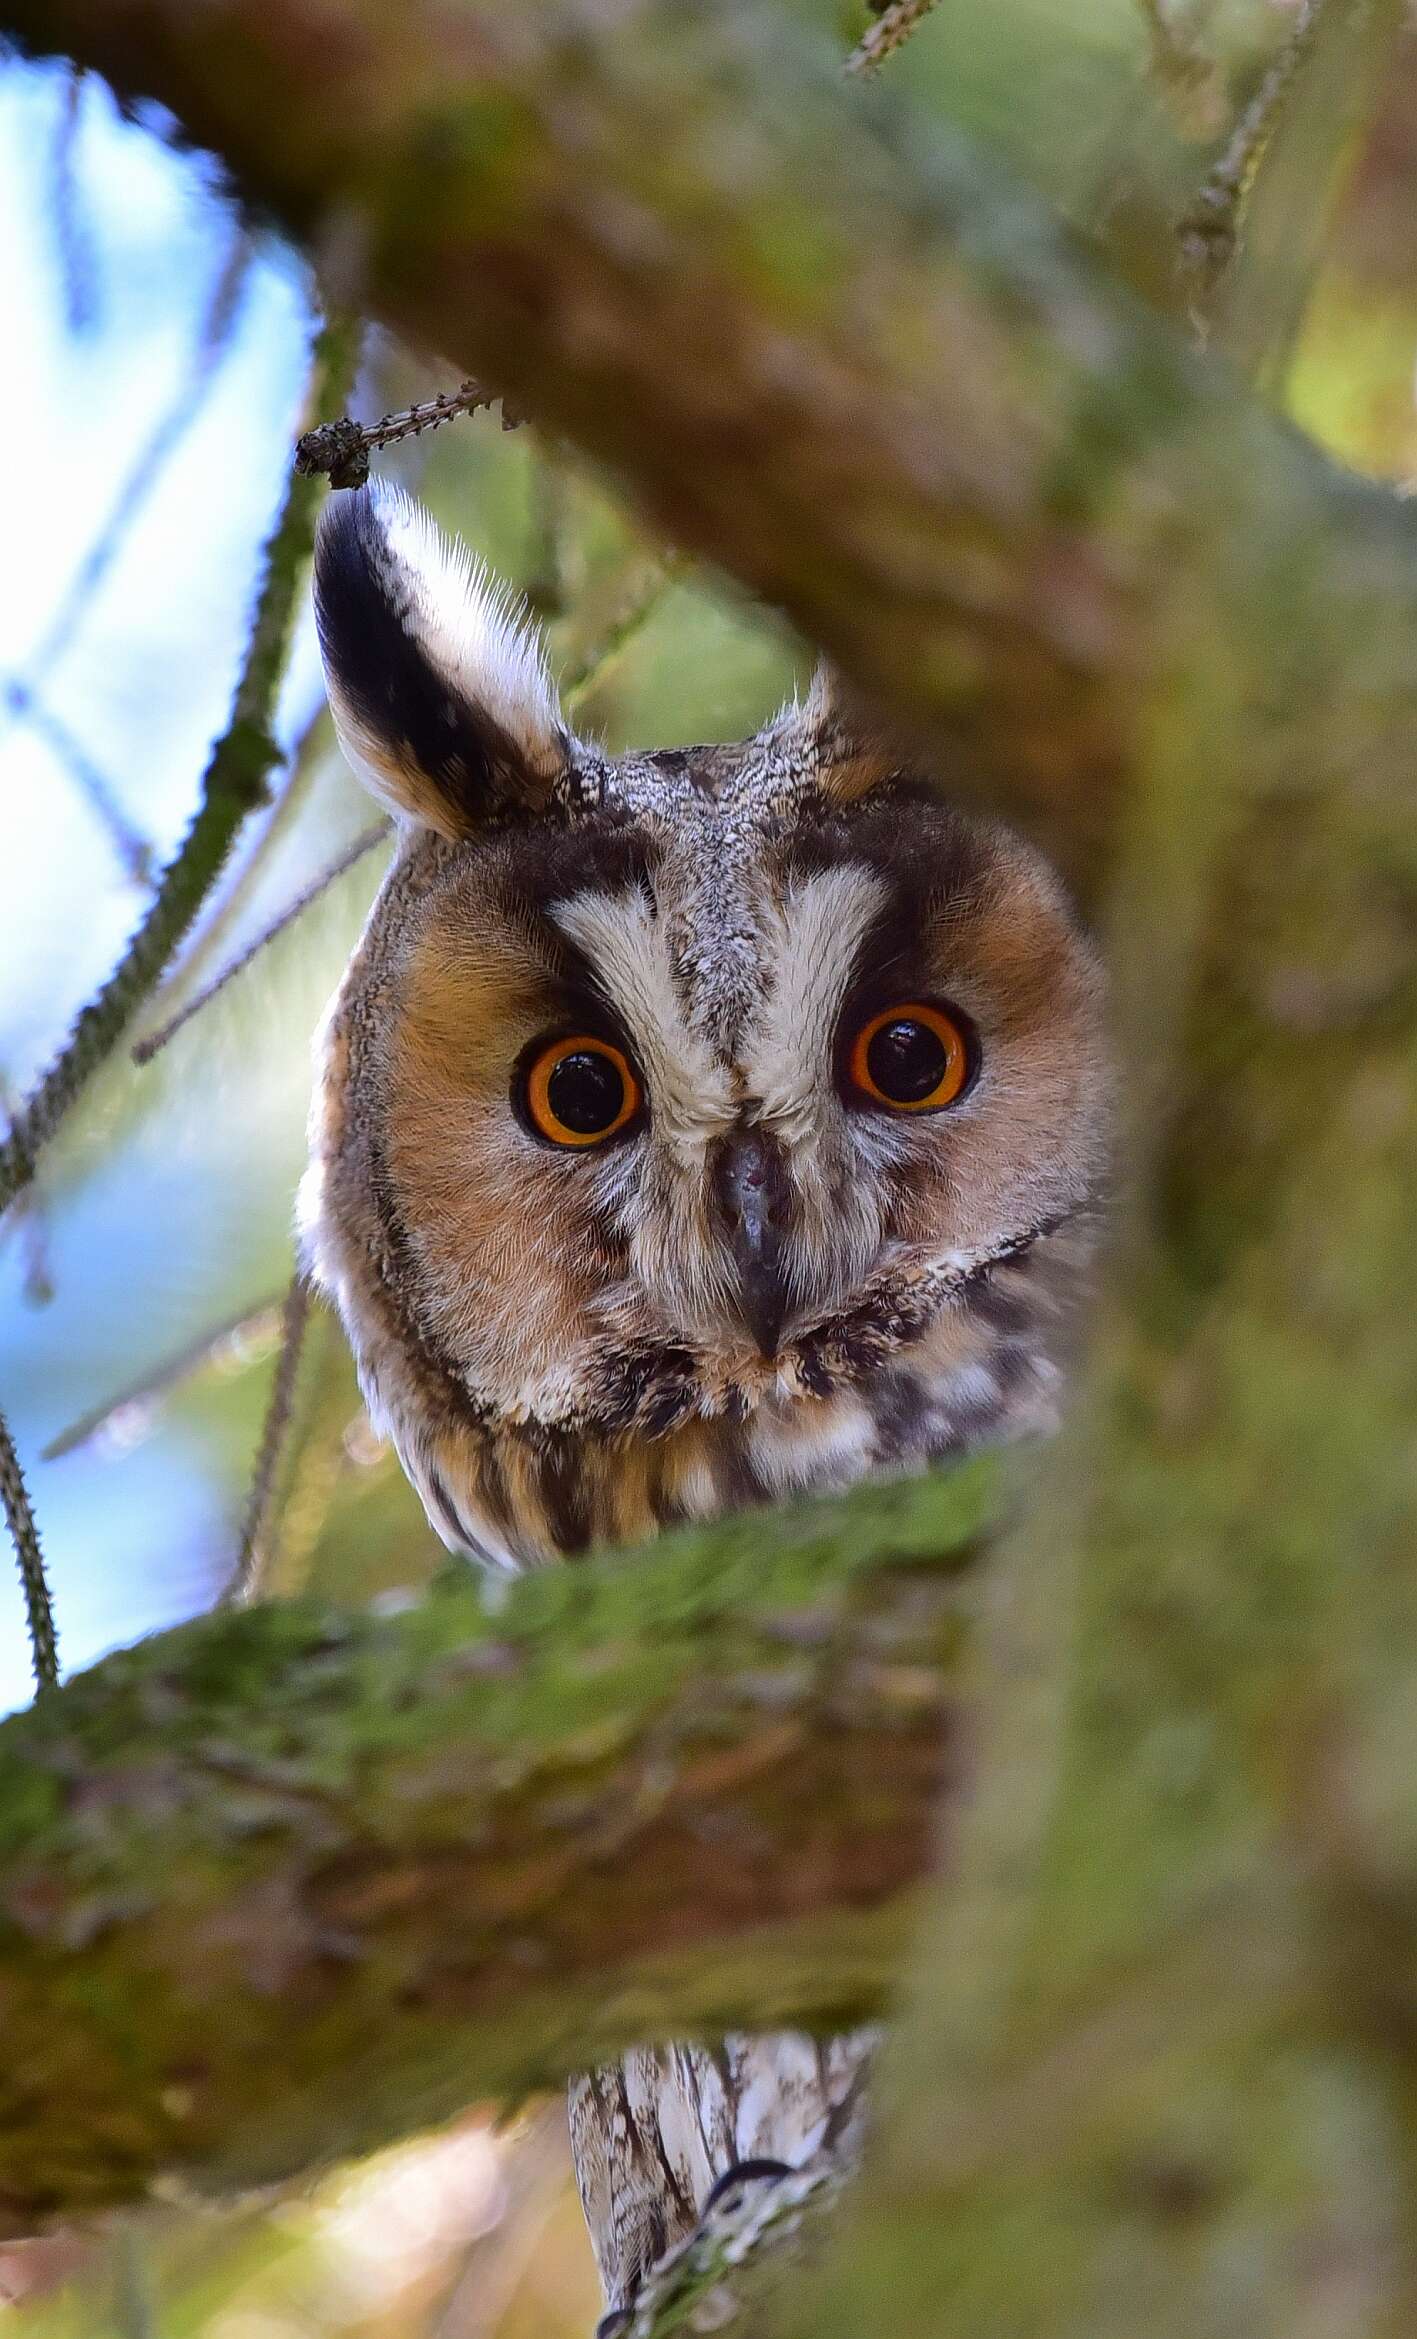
252 1553
891 30
1208 231
152 1043
19 1517
342 448
317 1457
227 908
132 848
234 783
151 459
255 1328
28 1223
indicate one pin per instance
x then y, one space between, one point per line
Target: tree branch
878 383
857 366
34 1581
282 1885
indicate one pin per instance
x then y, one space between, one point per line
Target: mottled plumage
766 1275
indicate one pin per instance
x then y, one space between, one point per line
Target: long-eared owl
692 1127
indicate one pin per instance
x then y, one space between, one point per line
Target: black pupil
907 1060
586 1092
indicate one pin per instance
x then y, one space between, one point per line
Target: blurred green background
151 385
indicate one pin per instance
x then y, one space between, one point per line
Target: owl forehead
731 912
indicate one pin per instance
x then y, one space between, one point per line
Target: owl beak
752 1192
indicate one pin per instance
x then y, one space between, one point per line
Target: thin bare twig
228 905
253 1554
234 782
891 30
21 695
1208 231
342 449
152 457
249 1332
133 849
320 1449
39 1609
71 234
153 1042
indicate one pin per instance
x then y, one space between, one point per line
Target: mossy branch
862 369
282 1885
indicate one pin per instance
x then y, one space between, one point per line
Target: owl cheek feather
437 685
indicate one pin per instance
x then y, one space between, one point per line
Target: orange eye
912 1058
578 1090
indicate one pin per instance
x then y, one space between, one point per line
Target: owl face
724 1101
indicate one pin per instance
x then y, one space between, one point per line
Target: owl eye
577 1090
912 1058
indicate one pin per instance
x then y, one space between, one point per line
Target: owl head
685 1118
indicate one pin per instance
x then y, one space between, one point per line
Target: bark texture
280 1885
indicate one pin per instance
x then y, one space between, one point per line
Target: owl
692 1128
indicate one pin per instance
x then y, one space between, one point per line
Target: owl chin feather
691 1129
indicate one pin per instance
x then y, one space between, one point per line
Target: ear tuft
835 746
438 688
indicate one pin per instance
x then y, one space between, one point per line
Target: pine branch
27 1225
253 1553
341 449
19 1517
233 784
776 400
228 905
892 29
1208 233
152 1043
